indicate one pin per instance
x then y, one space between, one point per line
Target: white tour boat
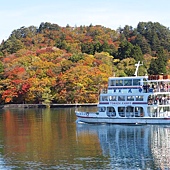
132 100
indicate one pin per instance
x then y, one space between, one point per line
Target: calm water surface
51 139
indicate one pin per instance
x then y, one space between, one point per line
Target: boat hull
143 120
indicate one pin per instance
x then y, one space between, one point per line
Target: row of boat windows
122 98
131 111
123 111
125 82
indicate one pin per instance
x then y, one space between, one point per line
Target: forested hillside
54 64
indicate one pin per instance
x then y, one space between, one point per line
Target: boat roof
160 80
143 79
131 77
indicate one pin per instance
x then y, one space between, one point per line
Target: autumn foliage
53 64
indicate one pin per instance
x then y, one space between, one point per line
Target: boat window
102 109
129 111
121 98
111 109
119 82
111 112
112 83
112 98
139 98
136 82
130 98
127 82
139 112
121 111
104 98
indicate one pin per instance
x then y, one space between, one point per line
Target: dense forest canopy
54 64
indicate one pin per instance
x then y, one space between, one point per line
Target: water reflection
36 138
131 147
51 139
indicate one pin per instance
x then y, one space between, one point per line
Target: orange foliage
44 63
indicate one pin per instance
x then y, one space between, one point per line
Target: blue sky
109 13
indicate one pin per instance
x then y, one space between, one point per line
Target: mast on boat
137 67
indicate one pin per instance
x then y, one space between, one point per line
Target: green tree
12 45
137 53
155 43
127 31
125 50
142 43
141 28
158 65
76 57
87 48
24 32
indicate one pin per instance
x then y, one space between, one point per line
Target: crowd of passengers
160 87
162 100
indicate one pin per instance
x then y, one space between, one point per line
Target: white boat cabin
130 96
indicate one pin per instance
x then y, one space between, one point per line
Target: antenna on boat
137 67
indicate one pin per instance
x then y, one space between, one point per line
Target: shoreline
8 106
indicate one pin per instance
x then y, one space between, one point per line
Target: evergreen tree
155 43
125 50
137 53
158 66
153 68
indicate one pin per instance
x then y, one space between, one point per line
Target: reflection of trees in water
38 135
131 147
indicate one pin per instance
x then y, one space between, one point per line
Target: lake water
51 139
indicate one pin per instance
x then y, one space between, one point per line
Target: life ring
87 113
